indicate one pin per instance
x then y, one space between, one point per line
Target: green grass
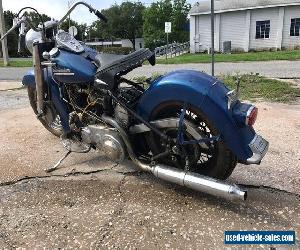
18 63
254 87
242 57
204 58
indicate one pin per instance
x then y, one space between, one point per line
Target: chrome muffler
190 180
199 182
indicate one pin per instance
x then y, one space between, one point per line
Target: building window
262 29
295 27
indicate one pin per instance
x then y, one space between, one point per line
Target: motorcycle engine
129 96
107 140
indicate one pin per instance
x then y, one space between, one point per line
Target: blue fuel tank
84 69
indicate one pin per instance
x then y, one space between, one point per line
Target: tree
179 20
155 17
124 21
35 19
12 39
163 11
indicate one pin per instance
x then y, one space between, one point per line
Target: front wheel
214 159
51 120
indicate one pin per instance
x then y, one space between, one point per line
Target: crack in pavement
132 173
269 189
13 89
73 173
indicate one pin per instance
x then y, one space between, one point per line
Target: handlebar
101 16
15 26
24 20
96 12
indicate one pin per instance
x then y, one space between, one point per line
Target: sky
57 8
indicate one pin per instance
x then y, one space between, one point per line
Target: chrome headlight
32 36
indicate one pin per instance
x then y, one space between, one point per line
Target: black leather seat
105 59
113 66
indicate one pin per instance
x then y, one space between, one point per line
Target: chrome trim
67 41
257 155
248 114
168 123
113 123
48 64
232 97
64 74
105 139
54 52
98 81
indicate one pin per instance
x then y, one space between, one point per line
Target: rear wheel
213 159
51 120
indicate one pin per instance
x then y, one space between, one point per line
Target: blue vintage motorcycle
186 127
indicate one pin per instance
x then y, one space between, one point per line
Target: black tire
219 165
51 120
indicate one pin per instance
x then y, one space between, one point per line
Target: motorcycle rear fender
208 95
59 104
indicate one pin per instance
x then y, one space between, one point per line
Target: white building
139 43
247 24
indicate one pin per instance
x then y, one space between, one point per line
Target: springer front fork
39 79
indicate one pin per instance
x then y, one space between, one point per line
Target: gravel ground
93 203
269 69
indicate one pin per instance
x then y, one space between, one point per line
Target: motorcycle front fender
59 104
29 79
208 95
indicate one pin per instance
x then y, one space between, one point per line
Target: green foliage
12 39
124 21
35 19
165 11
254 87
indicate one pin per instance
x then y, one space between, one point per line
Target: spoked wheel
210 158
51 120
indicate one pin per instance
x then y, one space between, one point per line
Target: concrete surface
93 203
269 69
10 85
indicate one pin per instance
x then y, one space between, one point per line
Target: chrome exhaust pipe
190 180
199 183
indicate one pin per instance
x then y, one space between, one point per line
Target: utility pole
212 37
2 32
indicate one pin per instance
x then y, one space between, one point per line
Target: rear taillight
251 116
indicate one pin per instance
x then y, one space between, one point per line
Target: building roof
234 5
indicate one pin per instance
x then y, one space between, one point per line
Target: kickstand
49 170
